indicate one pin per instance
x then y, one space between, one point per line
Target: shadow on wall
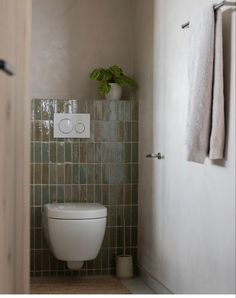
144 70
227 50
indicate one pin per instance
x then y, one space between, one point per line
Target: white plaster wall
186 210
72 37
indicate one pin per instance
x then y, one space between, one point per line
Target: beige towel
200 71
205 124
217 140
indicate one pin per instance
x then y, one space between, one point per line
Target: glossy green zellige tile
68 152
53 173
83 152
105 174
113 231
53 194
38 195
45 173
46 109
101 169
127 111
82 193
117 152
75 152
90 194
98 174
116 195
68 172
98 194
37 131
45 152
135 152
38 238
60 193
45 131
68 191
128 194
105 152
45 194
135 131
127 131
90 173
60 152
37 152
83 174
37 109
105 195
60 174
98 152
76 173
98 115
37 174
117 174
135 173
90 153
75 195
135 110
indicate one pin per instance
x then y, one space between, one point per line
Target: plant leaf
128 81
120 81
104 87
116 71
97 74
107 75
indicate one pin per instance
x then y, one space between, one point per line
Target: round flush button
65 126
80 127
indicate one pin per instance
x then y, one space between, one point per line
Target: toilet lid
75 210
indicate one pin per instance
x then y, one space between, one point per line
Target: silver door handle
155 155
7 68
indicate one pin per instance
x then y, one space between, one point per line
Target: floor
137 286
88 285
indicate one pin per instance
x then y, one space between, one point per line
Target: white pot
115 92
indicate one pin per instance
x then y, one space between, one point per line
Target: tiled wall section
101 169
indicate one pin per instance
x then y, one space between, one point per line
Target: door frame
22 150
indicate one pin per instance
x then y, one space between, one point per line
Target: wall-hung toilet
74 231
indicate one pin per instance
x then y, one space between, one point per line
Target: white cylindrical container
124 267
115 92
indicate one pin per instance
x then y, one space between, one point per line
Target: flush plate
71 125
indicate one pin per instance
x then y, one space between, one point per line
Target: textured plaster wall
71 37
186 211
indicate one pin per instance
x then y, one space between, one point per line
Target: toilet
74 231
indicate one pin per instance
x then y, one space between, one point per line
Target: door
14 145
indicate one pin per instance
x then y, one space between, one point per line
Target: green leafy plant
113 74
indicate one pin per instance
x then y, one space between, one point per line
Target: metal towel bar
216 6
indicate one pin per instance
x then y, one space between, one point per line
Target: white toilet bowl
75 231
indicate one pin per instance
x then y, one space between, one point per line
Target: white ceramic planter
115 92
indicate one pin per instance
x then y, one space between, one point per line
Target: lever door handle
155 155
7 67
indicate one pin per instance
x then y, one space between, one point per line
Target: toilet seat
75 211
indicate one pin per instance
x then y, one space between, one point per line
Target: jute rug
77 285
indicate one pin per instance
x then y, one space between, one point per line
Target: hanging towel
205 124
217 139
200 72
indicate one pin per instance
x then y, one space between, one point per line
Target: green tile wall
101 169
